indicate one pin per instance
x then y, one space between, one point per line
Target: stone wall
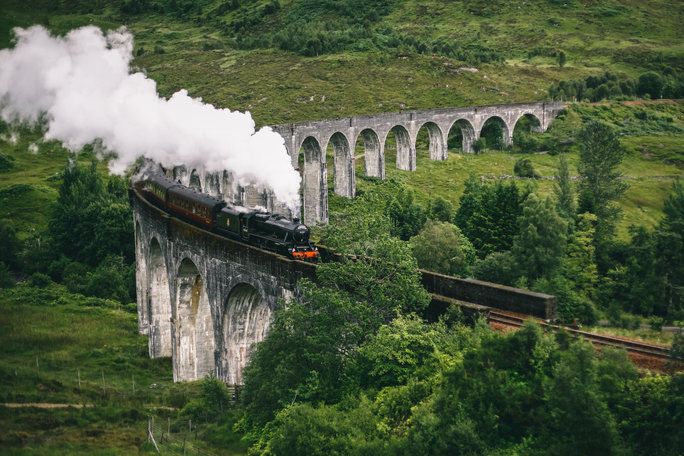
491 294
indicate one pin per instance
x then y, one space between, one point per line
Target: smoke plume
81 88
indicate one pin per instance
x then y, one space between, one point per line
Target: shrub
497 267
6 162
524 168
656 323
6 280
480 145
40 280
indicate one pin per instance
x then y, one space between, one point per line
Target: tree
561 59
407 216
562 188
601 184
579 265
441 247
6 280
441 209
669 246
650 84
636 285
538 248
10 245
385 278
497 267
402 351
306 353
488 215
91 221
577 420
524 168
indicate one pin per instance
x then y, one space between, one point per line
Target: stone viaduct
203 300
311 141
314 139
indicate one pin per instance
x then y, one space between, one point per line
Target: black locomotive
262 229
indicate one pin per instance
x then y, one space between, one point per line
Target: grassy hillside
297 60
383 55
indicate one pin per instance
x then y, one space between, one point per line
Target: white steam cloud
81 86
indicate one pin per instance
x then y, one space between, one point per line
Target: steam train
261 229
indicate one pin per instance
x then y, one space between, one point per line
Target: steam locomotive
261 229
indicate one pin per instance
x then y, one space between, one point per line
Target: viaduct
312 141
205 300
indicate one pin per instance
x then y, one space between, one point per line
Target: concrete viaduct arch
204 300
312 138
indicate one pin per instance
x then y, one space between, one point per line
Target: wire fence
167 439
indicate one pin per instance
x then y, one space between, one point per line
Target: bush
656 323
524 168
6 280
497 267
480 145
6 162
40 280
572 306
441 247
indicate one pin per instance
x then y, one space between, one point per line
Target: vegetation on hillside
350 366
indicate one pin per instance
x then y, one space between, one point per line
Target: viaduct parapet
204 300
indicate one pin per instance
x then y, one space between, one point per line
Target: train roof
161 180
195 196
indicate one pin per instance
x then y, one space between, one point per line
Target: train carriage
262 229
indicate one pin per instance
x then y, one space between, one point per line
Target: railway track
639 348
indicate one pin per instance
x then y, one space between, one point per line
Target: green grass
28 190
49 338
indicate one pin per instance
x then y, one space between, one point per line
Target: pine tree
565 194
539 247
601 184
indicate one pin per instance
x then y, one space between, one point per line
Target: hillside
296 60
377 56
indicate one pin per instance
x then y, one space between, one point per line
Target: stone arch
195 181
463 132
180 174
159 308
314 182
245 322
437 146
213 183
194 325
373 158
405 148
533 121
343 165
229 187
526 123
506 132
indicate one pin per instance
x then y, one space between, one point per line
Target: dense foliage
668 83
88 245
